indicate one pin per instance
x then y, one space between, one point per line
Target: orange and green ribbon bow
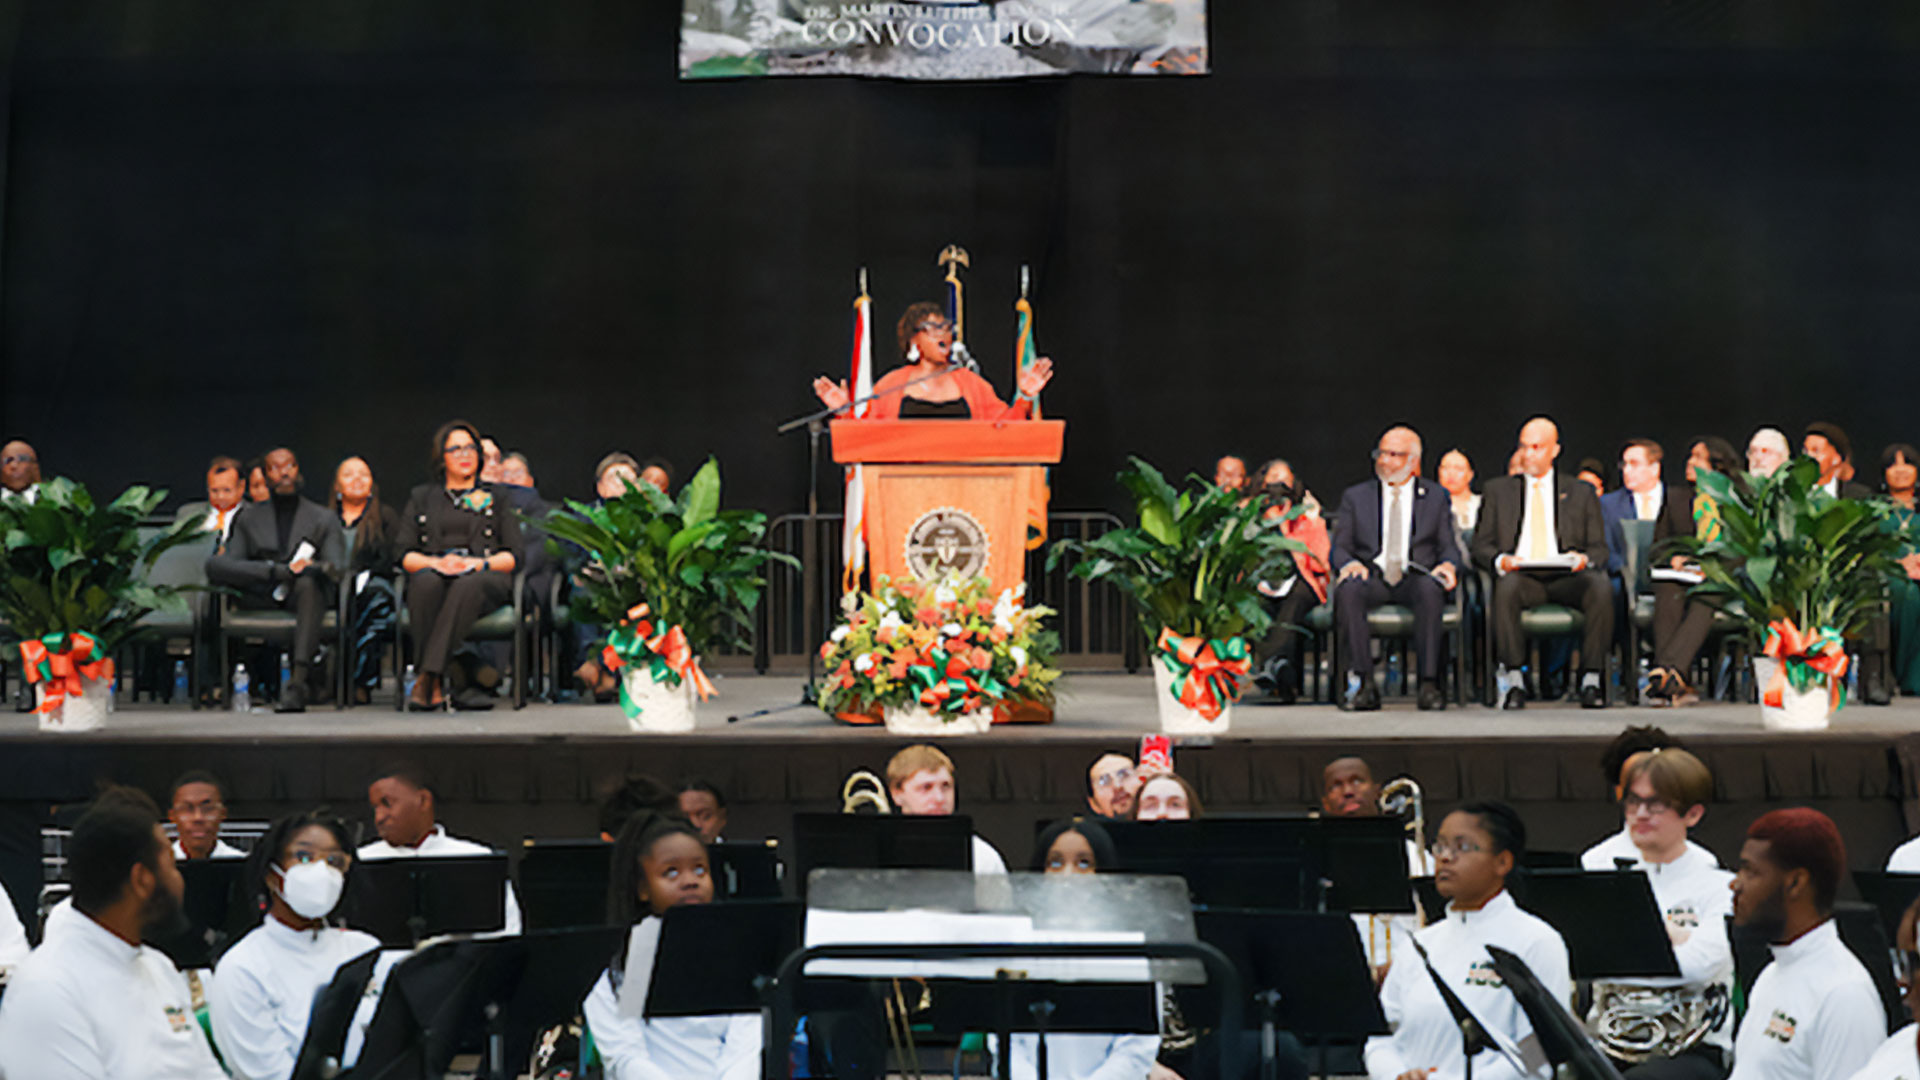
63 662
1805 659
669 658
949 683
1203 670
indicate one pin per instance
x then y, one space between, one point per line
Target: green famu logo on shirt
177 1018
1482 974
1683 917
1780 1026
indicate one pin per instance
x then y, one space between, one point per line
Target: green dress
1905 593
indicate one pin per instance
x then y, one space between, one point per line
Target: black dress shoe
1516 699
1873 686
1431 698
1593 697
1365 699
293 698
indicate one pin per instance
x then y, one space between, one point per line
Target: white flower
892 621
863 663
952 629
1019 654
1002 624
840 633
945 595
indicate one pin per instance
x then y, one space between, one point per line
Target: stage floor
1094 708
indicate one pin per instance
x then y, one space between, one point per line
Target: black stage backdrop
333 225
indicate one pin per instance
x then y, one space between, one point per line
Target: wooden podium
950 496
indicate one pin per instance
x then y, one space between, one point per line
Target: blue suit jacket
1676 519
1360 533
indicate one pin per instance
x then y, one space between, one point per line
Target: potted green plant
938 658
1804 570
73 586
669 579
1192 569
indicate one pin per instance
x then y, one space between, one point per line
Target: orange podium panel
950 497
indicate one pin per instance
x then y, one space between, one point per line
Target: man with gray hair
1393 544
1767 451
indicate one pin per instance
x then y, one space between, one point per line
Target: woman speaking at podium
927 385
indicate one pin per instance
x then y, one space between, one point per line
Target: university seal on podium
947 542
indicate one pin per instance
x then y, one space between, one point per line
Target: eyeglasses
1654 806
1401 455
463 448
933 324
18 459
1442 848
1113 779
336 859
210 808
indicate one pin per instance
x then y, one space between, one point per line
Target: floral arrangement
950 647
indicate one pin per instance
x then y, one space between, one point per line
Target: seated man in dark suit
1393 544
1680 622
285 552
1541 516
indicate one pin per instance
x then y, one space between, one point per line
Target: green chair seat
1320 618
242 622
1552 620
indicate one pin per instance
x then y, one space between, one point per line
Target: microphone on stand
961 357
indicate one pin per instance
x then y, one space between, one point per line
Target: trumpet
864 793
1396 798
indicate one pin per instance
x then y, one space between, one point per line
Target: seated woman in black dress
925 335
459 540
373 537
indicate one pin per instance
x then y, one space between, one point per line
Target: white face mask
312 889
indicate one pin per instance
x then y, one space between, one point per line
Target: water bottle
1393 674
286 674
180 690
407 681
242 700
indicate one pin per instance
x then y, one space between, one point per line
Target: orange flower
982 608
929 615
998 635
845 674
980 659
902 660
826 649
884 635
908 588
859 618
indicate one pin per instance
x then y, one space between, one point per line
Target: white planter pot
663 708
85 711
1177 719
1801 710
919 721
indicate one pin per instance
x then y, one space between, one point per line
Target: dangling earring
913 352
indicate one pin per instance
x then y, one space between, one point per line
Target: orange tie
1539 548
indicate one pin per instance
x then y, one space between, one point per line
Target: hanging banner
942 39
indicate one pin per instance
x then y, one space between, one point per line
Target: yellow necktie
1538 547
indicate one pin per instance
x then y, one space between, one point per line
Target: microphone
961 357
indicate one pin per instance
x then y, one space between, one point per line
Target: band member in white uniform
92 1002
1348 789
263 996
1079 846
1899 1056
1813 1013
1478 847
1673 1028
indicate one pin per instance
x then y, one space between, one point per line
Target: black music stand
405 901
1307 974
1475 1036
721 956
1610 920
216 908
1562 1038
564 883
746 871
1285 863
497 993
882 842
1890 893
332 1018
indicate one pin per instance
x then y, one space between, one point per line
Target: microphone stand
816 424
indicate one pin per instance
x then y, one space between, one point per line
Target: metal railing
800 607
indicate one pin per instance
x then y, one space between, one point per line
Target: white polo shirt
439 845
1813 1013
1905 858
221 850
89 1006
671 1048
263 995
1897 1059
13 933
1424 1033
1604 855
